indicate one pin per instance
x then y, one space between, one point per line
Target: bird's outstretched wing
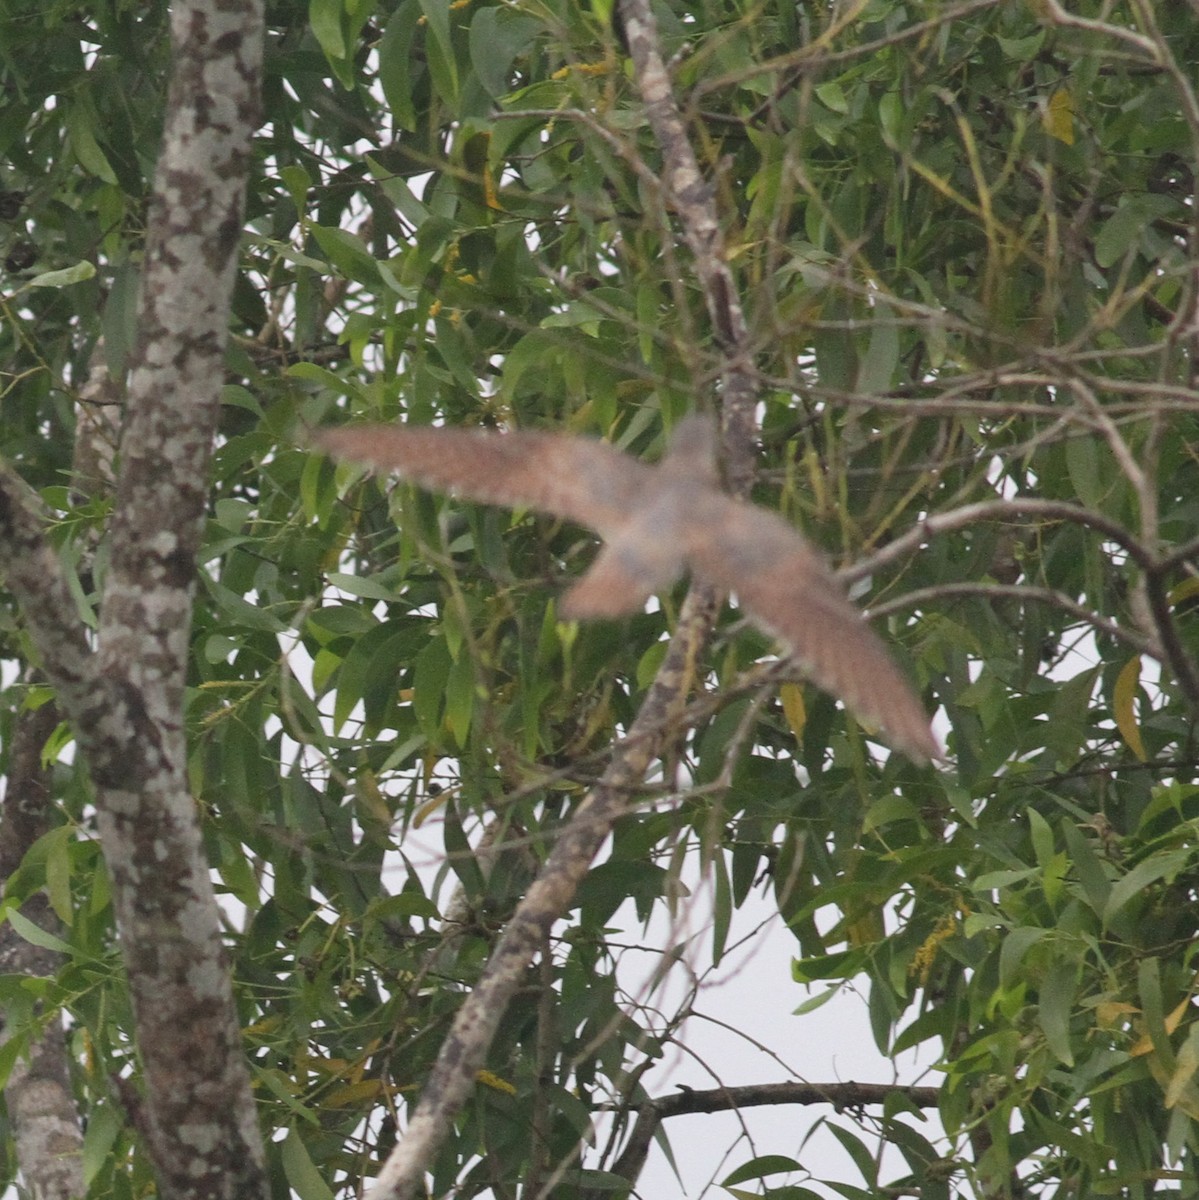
614 586
654 520
584 481
786 589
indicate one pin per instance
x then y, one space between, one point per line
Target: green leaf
812 1003
368 587
1091 872
119 319
460 698
1136 882
497 36
81 132
240 610
443 66
759 1168
857 1150
103 1126
395 53
60 850
65 277
460 855
600 1181
1149 988
302 1175
351 258
35 934
1015 947
1088 475
15 1046
325 17
832 95
722 907
1057 994
1126 226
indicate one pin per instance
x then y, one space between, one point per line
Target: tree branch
465 1048
999 510
841 1095
38 583
1024 593
126 701
692 197
199 1105
41 1106
1169 649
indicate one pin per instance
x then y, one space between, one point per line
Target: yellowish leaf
1145 1043
1109 1012
493 1081
429 807
371 798
794 710
1058 116
354 1093
866 928
1181 1092
1186 590
1124 696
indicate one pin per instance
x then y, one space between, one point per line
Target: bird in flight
657 522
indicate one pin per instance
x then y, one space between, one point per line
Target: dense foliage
965 242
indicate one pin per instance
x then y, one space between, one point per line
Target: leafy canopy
965 243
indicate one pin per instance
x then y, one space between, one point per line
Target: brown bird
658 522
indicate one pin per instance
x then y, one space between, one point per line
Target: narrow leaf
301 1172
1124 696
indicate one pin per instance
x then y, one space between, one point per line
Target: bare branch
1022 592
841 1095
1000 510
35 576
465 1048
692 197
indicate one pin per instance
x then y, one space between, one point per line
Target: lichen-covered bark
199 1106
126 699
41 1106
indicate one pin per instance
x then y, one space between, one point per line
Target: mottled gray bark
47 1135
126 699
41 1107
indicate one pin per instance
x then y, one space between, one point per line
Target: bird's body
658 522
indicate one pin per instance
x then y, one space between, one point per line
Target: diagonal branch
692 197
1168 649
35 576
465 1048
